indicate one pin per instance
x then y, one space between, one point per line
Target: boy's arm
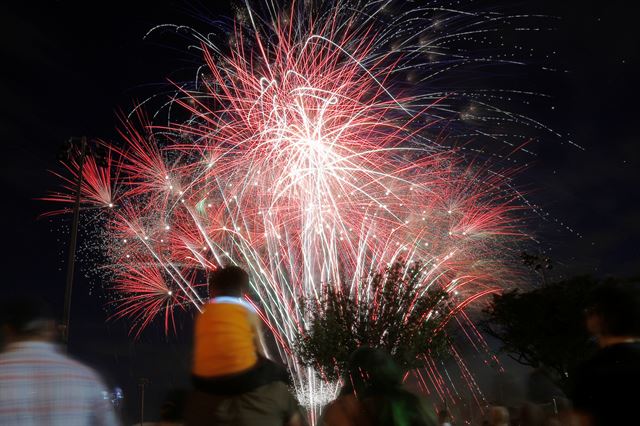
261 348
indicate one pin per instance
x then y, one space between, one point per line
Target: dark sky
68 67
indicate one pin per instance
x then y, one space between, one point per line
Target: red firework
304 158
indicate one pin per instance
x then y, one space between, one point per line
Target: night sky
69 67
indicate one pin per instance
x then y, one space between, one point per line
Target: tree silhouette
544 328
391 310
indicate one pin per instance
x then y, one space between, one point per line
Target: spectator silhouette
39 385
498 416
373 395
604 391
235 384
531 415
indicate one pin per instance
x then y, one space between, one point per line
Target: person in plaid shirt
39 385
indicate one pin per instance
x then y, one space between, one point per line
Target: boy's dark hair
228 281
618 304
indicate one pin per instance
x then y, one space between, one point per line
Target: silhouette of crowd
235 383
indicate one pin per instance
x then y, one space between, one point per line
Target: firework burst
315 148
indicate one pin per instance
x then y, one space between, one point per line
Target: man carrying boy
235 384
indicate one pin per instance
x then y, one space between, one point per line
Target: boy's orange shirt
224 339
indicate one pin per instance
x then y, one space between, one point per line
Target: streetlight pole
71 261
142 384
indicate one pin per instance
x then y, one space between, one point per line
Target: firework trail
313 148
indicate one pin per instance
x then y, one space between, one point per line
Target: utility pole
142 383
76 149
71 260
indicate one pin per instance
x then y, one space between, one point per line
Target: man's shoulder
83 369
269 402
276 388
275 394
609 368
52 361
602 383
625 354
631 350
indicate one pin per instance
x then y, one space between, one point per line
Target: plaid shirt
41 386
